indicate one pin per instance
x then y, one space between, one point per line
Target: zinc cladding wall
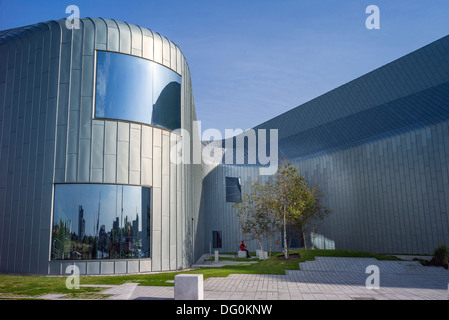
48 135
378 147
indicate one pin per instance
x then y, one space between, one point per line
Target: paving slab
326 278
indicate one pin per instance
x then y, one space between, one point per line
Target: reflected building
81 224
88 117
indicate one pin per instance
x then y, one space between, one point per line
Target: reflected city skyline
96 221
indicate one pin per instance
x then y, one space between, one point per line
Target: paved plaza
326 278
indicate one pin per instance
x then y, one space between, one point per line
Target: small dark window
216 239
233 190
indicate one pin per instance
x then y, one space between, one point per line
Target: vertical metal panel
71 171
113 43
110 168
134 140
101 35
134 156
147 142
110 145
122 161
77 47
157 167
136 40
173 56
147 44
97 151
125 38
179 60
73 132
146 171
156 262
157 43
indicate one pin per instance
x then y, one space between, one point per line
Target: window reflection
135 89
96 221
233 189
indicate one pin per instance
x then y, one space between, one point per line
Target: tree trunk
304 238
260 244
285 235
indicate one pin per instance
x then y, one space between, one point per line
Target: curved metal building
86 125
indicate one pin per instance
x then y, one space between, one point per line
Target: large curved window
99 221
135 89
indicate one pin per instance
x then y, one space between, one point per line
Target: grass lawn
35 286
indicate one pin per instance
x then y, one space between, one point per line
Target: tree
254 214
285 199
290 197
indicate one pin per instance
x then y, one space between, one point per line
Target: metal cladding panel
125 38
147 43
88 76
135 144
110 144
157 43
165 52
97 143
122 162
147 142
113 43
136 40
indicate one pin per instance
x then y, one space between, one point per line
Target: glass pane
98 221
233 189
135 89
166 98
216 239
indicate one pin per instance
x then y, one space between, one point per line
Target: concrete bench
189 287
241 254
260 255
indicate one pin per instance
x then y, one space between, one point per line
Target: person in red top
243 248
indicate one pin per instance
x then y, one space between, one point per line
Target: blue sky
252 60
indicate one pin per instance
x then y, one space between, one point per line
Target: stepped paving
323 279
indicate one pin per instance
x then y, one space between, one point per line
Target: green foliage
284 200
253 212
440 255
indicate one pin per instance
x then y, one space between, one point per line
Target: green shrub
441 254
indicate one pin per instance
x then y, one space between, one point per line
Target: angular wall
378 147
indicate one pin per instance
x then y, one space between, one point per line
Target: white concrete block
262 255
216 255
241 254
189 287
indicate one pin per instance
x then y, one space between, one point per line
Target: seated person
243 248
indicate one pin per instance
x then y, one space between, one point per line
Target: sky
251 60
